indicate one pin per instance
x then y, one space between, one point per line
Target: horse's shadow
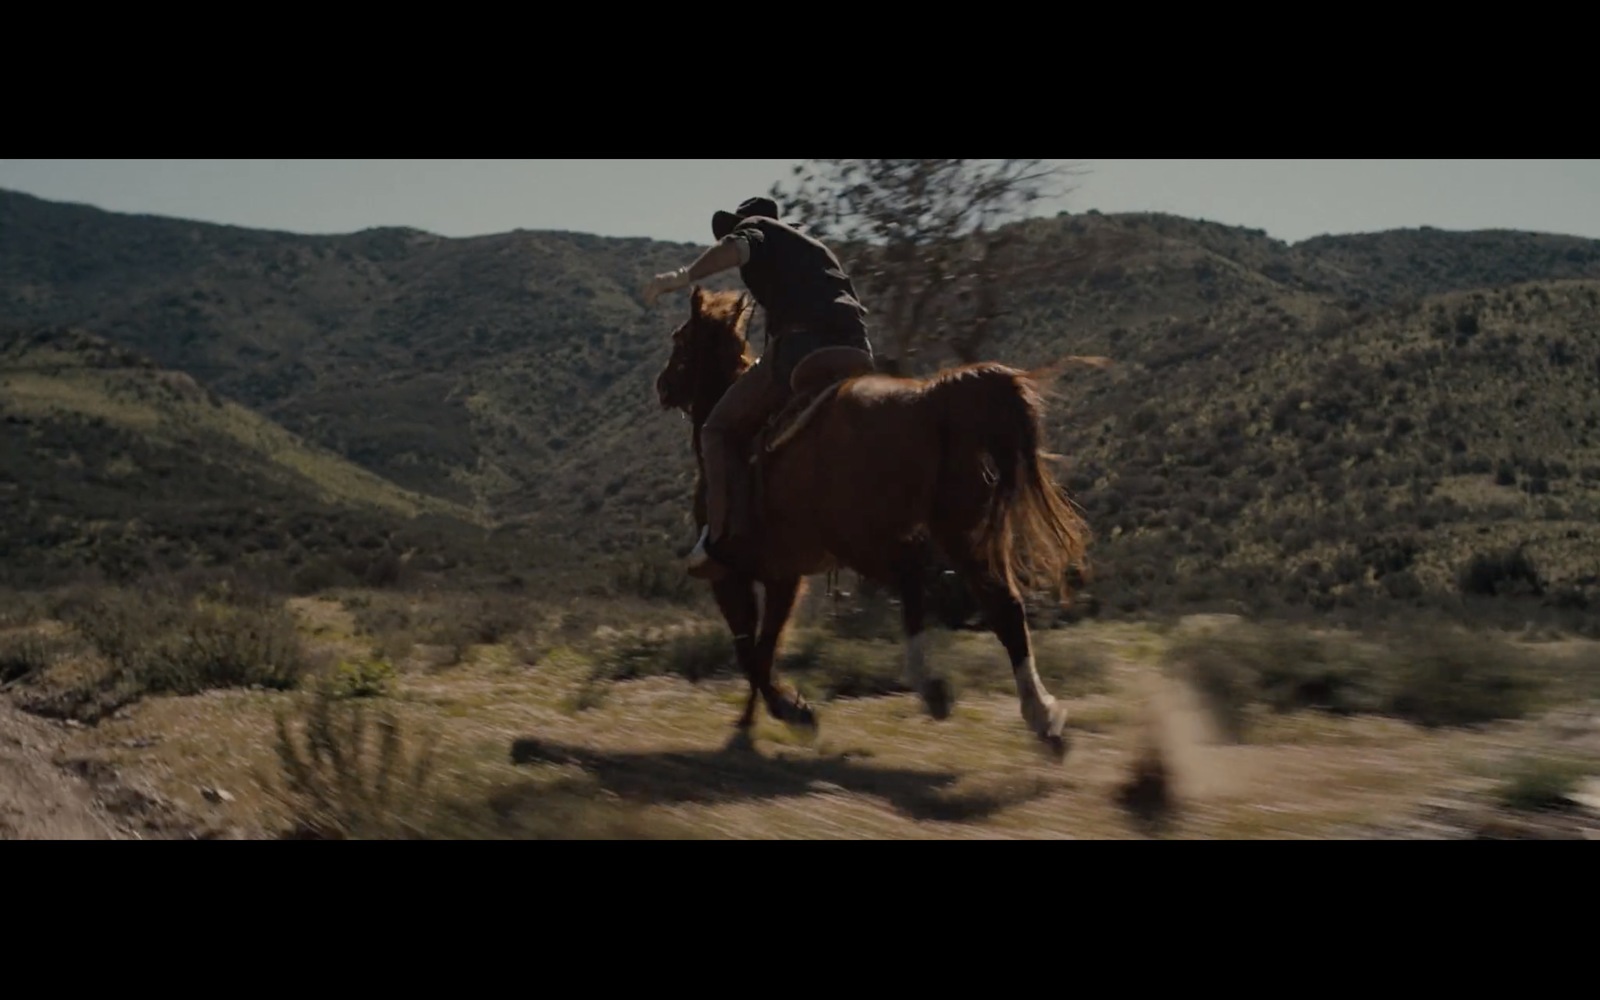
736 771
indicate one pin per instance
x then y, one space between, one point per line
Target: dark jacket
799 282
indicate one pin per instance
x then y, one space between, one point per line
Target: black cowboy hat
722 223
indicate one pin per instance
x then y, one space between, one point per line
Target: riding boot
726 438
732 547
722 493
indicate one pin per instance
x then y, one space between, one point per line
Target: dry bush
1433 678
329 788
159 640
27 654
654 575
20 607
1542 783
165 645
456 621
694 652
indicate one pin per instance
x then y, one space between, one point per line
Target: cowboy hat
722 223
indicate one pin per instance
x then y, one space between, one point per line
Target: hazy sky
673 199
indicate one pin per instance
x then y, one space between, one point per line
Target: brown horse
867 471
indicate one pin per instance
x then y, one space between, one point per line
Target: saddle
814 381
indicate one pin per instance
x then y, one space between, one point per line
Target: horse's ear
697 297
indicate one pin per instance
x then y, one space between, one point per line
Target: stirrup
701 550
701 563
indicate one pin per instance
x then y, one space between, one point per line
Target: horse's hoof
937 697
1055 746
1055 736
1057 726
805 717
797 714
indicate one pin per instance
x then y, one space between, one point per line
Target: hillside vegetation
443 365
1384 421
112 465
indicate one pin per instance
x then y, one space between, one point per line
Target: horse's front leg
784 702
736 598
911 575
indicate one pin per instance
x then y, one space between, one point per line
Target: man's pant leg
725 443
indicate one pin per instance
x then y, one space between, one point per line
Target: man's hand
731 252
669 281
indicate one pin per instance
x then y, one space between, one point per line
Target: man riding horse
810 303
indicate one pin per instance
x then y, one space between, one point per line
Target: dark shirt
798 281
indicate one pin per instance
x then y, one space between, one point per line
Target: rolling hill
1388 419
110 462
442 365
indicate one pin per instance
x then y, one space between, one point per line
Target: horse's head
709 350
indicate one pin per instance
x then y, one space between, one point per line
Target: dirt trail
47 795
39 799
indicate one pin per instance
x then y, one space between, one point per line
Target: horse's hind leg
935 691
1002 606
784 702
736 597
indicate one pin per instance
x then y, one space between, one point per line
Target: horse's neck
706 400
700 412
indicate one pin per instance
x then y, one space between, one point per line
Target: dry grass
607 732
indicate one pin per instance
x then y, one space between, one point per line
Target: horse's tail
1030 533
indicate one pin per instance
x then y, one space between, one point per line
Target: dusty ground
49 793
655 757
38 799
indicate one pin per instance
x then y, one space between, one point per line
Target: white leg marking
1029 686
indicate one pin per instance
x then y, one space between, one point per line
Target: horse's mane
728 314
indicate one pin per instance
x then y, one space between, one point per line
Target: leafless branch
924 239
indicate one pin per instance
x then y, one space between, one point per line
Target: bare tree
924 241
